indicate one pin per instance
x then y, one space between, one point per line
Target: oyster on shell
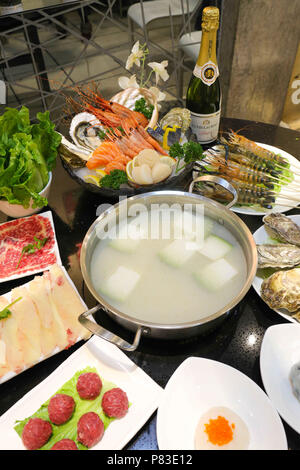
282 255
73 155
283 228
282 290
84 130
180 117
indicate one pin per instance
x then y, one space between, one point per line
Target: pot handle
98 330
221 182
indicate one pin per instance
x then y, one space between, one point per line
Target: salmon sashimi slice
114 166
96 162
104 154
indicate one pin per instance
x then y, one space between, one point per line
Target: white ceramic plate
11 374
261 237
54 250
246 210
113 365
280 350
200 384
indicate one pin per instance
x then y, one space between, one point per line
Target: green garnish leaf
101 134
185 154
32 247
143 107
5 312
114 179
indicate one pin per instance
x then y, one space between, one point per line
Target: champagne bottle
203 97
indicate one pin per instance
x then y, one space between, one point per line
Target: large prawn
252 149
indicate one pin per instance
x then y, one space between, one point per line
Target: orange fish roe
219 431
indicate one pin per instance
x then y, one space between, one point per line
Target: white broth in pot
173 280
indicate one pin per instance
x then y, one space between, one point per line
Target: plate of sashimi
110 148
38 320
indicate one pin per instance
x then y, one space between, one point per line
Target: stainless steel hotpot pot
216 211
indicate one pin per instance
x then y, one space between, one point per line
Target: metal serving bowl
212 209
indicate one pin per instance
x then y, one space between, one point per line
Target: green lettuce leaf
46 138
27 153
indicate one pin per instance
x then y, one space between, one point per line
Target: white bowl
17 210
280 350
200 384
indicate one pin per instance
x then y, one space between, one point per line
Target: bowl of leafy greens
28 154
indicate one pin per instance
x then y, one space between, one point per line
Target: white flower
128 82
135 56
160 70
160 96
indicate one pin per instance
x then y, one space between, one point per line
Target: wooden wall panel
263 42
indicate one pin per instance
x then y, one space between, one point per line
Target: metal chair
142 14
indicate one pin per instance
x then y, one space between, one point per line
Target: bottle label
208 72
206 126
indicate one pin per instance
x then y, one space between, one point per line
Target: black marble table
236 343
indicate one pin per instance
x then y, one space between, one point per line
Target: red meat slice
36 433
15 235
60 408
64 444
89 385
90 429
115 403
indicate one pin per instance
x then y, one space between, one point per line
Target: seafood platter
277 280
112 149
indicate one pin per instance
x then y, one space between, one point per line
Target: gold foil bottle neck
210 19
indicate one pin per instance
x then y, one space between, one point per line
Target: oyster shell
283 228
73 155
282 290
180 117
129 96
84 130
282 255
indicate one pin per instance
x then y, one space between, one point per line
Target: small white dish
261 237
17 210
200 384
114 366
280 350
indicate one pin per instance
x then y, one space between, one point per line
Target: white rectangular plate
113 365
7 295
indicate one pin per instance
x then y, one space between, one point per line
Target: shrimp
244 160
234 170
151 141
254 149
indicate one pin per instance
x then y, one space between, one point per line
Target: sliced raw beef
15 235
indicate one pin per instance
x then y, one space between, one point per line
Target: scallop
160 172
142 174
147 156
